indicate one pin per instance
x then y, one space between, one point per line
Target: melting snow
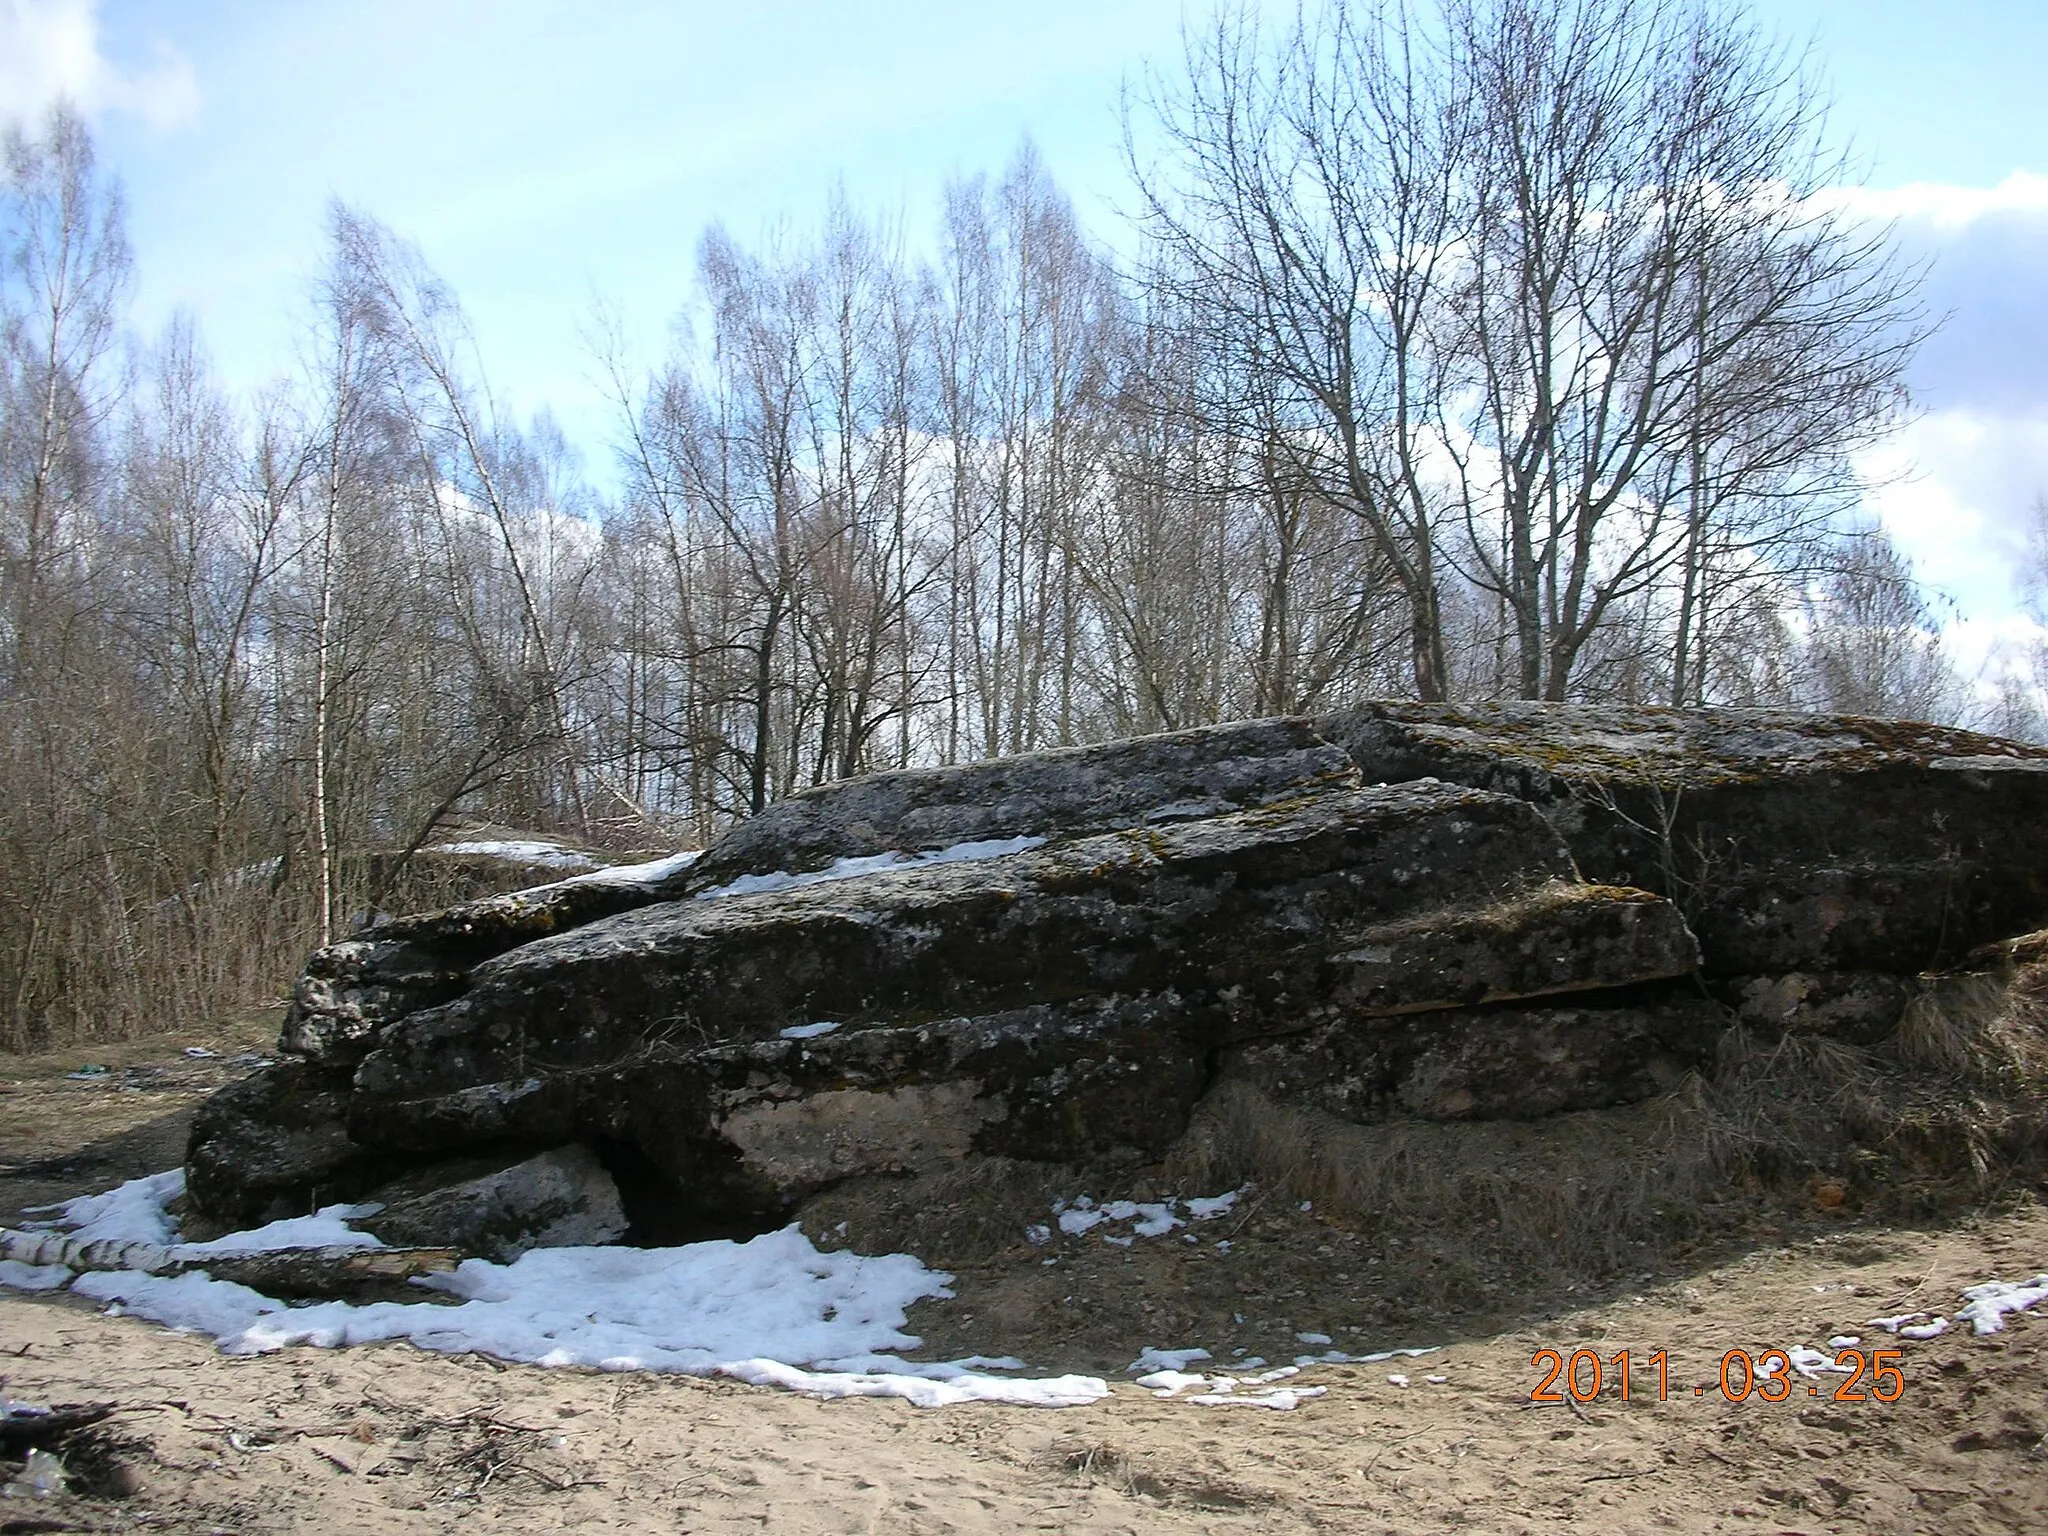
525 852
810 1031
1906 1328
1210 1207
1986 1305
128 1213
1165 1360
774 1311
1222 1391
32 1277
1338 1357
1150 1218
1984 1308
326 1228
1811 1362
872 864
1080 1218
1285 1399
653 872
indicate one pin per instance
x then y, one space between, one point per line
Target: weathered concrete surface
1249 906
1079 991
744 1130
1559 937
353 987
1070 793
1793 842
1062 1001
1509 1062
1858 1006
560 1199
349 990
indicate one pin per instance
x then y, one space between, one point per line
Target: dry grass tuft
1110 1466
1988 1029
1097 1461
1557 1200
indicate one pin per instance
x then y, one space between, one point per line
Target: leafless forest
1504 349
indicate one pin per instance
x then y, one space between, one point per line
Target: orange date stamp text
1771 1376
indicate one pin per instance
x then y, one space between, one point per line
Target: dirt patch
83 1119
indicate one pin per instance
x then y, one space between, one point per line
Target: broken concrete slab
562 1198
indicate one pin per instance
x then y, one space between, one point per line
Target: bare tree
64 265
63 274
470 462
1678 349
1546 298
1872 645
1309 209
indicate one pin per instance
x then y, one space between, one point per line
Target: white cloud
1958 491
1943 204
51 50
1987 648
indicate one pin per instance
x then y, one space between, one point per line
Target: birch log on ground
316 1272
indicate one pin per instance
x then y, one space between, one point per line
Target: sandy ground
391 1439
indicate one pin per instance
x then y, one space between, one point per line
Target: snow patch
774 1311
1080 1219
32 1277
1338 1357
653 872
520 851
1166 1360
871 864
128 1213
1222 1391
1281 1399
810 1031
1986 1305
326 1228
1810 1363
1149 1218
1906 1326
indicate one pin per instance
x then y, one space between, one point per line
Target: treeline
1505 355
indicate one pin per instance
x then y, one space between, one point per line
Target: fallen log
301 1272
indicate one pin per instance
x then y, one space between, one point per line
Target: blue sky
541 153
